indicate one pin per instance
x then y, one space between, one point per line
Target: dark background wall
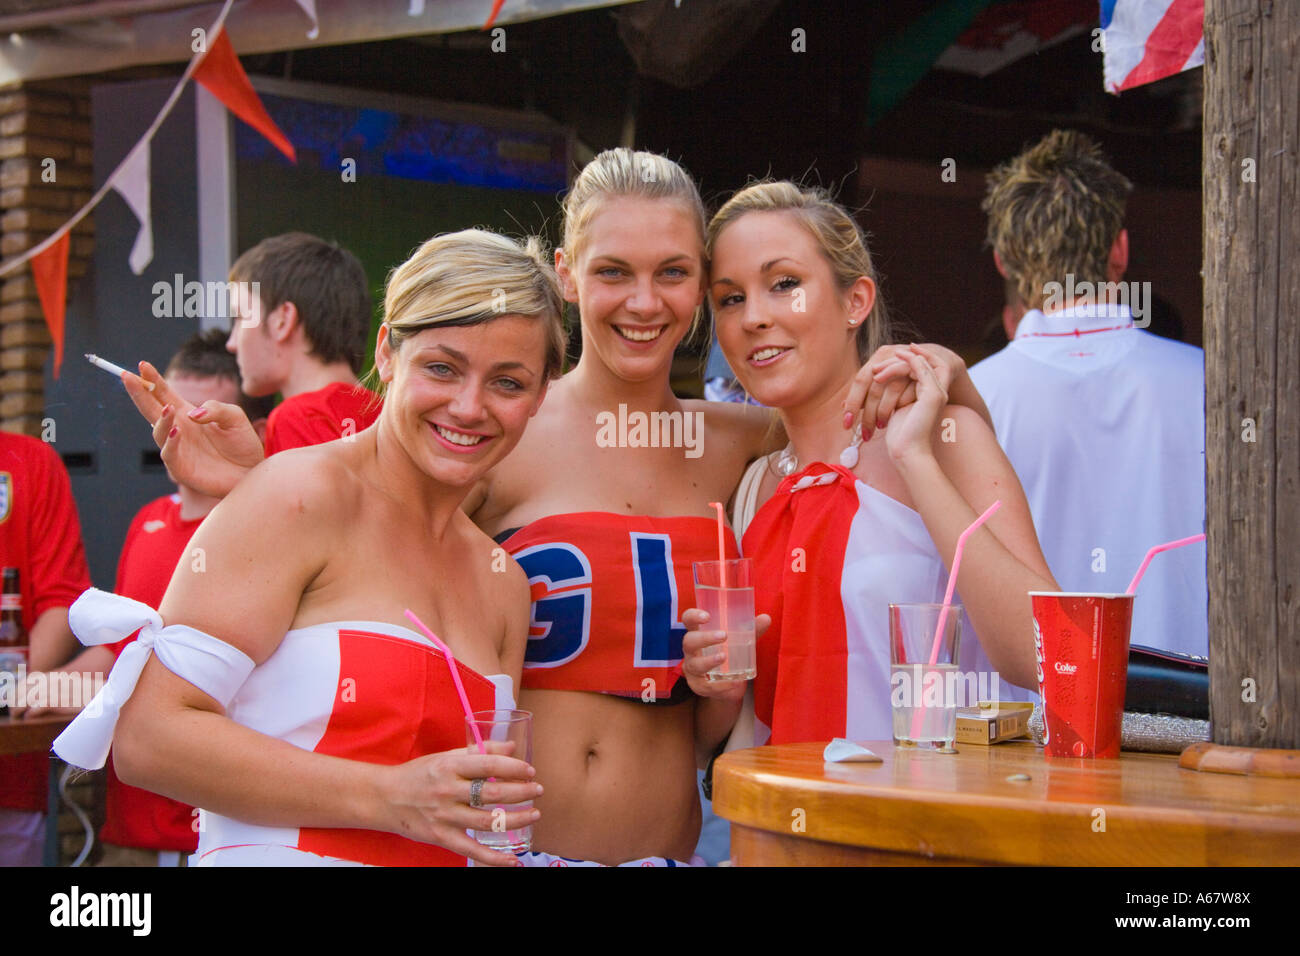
114 464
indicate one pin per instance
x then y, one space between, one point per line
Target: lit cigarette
114 370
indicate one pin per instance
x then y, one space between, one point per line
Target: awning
49 40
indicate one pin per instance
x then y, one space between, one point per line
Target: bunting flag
492 17
132 183
1147 40
50 272
309 8
223 77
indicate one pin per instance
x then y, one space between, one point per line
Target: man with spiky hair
1103 421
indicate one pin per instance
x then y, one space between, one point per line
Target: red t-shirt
313 418
39 535
155 543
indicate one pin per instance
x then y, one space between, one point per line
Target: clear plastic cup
730 609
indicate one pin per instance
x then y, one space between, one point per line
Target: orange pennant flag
50 271
223 77
492 17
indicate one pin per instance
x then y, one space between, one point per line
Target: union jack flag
1147 40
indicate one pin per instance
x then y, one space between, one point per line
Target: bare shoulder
290 507
754 429
503 589
310 479
482 547
261 548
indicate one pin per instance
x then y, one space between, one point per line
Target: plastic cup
515 726
730 609
923 695
1081 642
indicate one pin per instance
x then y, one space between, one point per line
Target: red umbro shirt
40 536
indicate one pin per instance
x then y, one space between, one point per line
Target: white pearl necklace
788 464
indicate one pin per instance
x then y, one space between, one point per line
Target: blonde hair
836 232
471 277
1055 210
625 172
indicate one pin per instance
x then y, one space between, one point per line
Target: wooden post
1252 368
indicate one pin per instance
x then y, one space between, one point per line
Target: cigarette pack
993 722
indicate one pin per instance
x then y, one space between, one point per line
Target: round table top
1139 809
30 736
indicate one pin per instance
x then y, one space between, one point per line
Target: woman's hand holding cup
702 651
431 799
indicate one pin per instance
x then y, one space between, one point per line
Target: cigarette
114 370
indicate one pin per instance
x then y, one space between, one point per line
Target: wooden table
35 736
788 808
29 736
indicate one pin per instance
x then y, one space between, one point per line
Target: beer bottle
13 639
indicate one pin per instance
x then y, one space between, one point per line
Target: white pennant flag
416 9
133 183
309 8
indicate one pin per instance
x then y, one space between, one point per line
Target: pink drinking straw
455 676
722 562
918 712
952 578
1168 546
722 537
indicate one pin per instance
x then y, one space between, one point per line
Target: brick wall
38 122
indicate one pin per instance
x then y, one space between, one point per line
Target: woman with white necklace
795 301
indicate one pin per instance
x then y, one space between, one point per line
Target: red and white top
361 690
823 665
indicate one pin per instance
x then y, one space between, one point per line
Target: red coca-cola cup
1081 642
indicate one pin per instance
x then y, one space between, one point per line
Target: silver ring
476 792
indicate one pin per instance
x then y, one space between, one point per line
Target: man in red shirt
300 327
41 537
301 333
143 828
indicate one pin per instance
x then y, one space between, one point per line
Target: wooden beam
1252 369
164 36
